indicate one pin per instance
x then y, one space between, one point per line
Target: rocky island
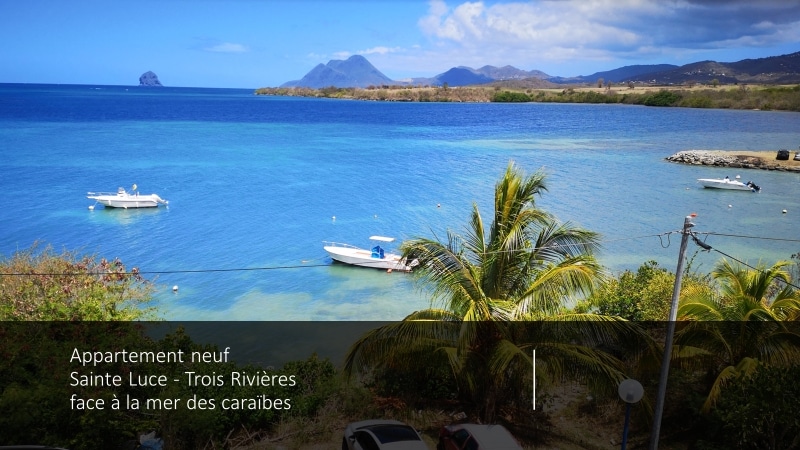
149 79
740 159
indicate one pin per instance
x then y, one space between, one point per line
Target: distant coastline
747 97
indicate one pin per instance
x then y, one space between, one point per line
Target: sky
265 43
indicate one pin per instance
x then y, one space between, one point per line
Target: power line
165 272
708 247
749 237
304 266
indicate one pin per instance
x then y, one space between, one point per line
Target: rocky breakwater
764 160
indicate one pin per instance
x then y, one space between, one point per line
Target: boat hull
734 185
137 203
127 201
363 258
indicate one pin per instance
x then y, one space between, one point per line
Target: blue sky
258 43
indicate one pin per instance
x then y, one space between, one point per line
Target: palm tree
750 321
486 288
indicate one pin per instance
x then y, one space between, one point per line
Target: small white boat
377 257
727 183
125 199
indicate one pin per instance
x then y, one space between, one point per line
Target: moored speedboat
377 257
727 183
125 199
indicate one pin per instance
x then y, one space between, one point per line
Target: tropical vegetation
40 284
759 411
499 292
644 295
778 98
502 287
750 321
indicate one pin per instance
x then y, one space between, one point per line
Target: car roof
370 422
392 432
489 436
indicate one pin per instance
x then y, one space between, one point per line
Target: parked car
381 435
470 436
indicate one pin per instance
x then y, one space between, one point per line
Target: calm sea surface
254 184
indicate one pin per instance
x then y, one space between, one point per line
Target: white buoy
784 211
175 288
91 207
333 218
730 206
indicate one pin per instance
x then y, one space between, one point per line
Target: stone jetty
764 160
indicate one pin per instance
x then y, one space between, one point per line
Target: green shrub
38 284
642 295
662 98
760 411
511 97
697 101
595 97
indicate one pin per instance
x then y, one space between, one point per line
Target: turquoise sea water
254 183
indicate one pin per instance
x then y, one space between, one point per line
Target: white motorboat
377 257
727 183
125 199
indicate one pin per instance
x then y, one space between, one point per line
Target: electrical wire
660 236
749 237
707 247
283 267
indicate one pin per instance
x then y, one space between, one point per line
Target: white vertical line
534 379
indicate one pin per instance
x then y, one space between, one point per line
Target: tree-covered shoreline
768 98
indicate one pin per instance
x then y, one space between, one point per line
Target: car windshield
394 433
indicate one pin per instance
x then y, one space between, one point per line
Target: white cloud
559 30
379 51
342 55
570 24
563 37
227 47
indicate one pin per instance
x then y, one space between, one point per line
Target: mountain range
356 71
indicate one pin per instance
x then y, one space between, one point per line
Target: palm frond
553 284
392 344
744 367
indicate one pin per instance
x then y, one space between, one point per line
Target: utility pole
673 317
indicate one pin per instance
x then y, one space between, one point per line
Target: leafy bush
645 295
635 296
697 101
760 411
595 97
511 97
38 284
661 98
